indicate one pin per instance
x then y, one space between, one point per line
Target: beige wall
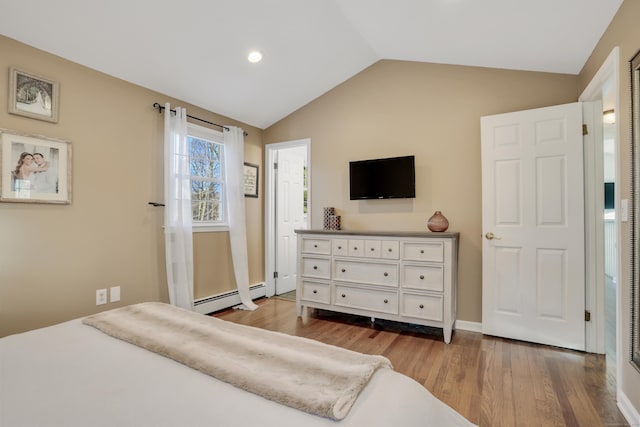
53 257
623 32
433 111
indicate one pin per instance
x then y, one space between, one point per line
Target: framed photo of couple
34 169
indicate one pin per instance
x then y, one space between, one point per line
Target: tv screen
609 193
391 178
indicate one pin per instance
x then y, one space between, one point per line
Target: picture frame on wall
33 96
250 180
34 169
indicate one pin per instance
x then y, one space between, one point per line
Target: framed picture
250 180
34 169
33 96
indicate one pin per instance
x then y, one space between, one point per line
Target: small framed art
250 180
33 96
34 169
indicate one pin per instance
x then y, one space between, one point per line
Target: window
208 189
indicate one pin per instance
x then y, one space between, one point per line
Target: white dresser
403 276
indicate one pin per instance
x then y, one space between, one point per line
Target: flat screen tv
390 178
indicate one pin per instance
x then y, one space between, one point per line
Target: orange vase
438 222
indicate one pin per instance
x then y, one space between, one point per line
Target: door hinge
587 316
275 274
275 165
585 131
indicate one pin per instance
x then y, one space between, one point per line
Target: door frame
594 226
270 240
608 74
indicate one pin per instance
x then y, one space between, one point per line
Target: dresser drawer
366 272
316 267
316 246
372 248
340 247
315 291
366 299
390 249
356 247
423 251
428 307
427 277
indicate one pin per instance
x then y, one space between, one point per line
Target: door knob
491 236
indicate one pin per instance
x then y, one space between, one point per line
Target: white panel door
289 214
533 280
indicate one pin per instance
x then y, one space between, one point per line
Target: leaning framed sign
34 169
250 180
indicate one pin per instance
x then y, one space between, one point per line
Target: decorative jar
438 222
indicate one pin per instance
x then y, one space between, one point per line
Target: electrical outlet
114 294
101 296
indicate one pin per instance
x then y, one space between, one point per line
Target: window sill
209 228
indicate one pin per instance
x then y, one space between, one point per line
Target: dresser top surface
422 234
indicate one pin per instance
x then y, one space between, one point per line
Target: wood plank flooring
491 381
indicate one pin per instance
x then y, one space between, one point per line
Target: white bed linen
73 375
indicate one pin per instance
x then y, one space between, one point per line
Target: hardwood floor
491 381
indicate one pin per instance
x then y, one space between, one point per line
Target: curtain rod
160 108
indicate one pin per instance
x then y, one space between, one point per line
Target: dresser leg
447 335
302 310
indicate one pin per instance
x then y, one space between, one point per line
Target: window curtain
177 213
234 152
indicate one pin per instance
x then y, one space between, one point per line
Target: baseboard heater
227 299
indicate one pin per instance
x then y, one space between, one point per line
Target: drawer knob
344 295
339 247
421 277
390 250
421 305
373 249
315 246
315 291
386 274
315 267
343 270
386 301
421 251
355 248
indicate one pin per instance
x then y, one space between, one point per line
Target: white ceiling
196 50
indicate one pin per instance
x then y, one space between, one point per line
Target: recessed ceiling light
254 56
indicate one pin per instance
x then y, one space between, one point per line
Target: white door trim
270 205
594 226
608 74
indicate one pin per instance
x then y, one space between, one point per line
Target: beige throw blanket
304 374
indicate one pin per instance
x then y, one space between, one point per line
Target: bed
73 374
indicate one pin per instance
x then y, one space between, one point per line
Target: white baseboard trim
225 300
464 325
628 411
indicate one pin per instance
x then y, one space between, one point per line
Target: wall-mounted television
390 178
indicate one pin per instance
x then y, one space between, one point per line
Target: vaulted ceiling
196 50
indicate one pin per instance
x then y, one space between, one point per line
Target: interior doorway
603 207
610 235
286 209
